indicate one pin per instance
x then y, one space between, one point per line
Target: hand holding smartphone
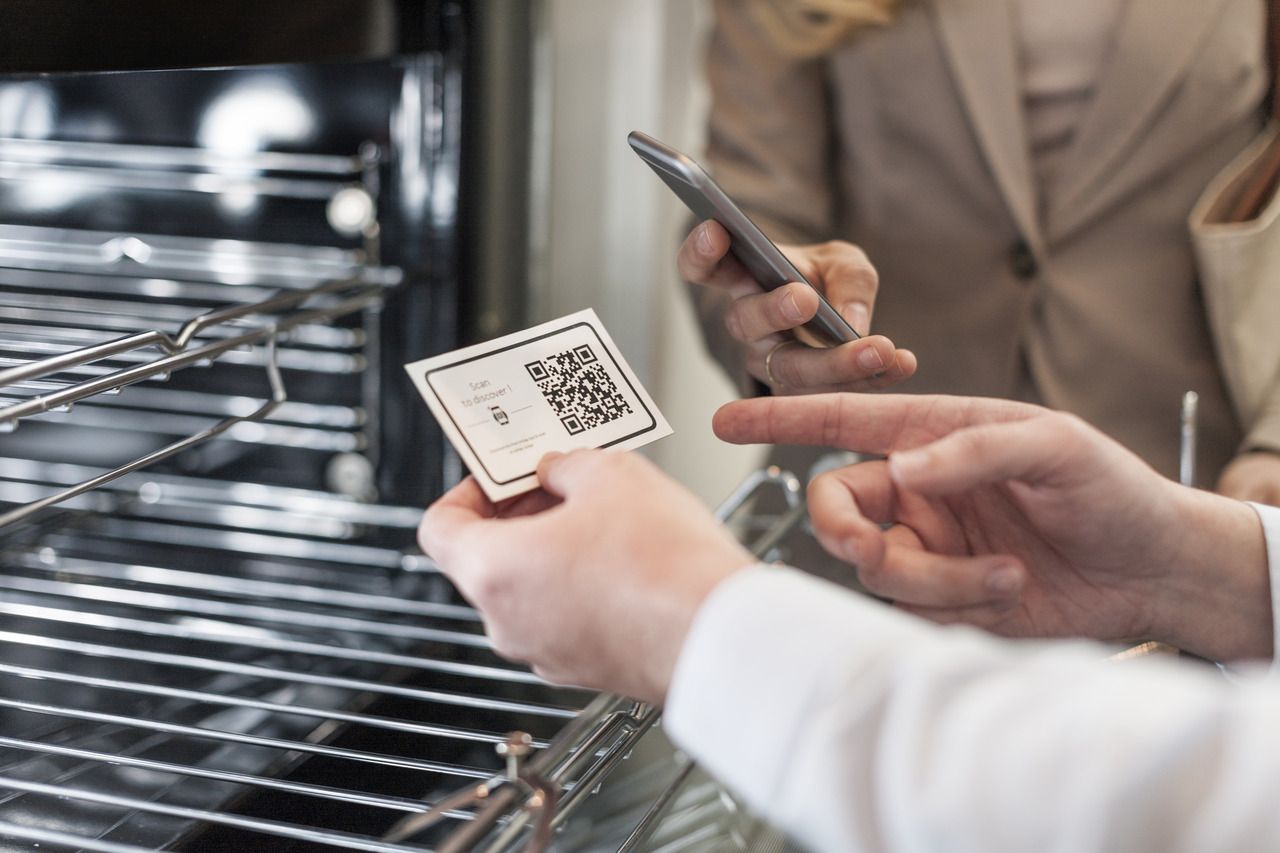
758 254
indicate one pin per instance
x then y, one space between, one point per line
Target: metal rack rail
55 382
168 168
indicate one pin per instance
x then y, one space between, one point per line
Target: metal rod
1187 443
398 804
265 827
780 529
211 183
220 699
298 618
40 835
40 151
236 636
267 430
286 676
104 314
649 823
789 483
379 759
240 493
256 544
278 396
175 346
223 584
33 254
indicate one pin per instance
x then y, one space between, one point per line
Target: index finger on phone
704 258
850 283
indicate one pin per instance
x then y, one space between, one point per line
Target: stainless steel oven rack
143 674
65 375
527 804
172 683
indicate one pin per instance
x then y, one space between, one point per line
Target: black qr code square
579 390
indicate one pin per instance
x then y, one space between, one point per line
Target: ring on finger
768 364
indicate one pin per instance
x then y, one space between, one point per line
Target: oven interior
217 631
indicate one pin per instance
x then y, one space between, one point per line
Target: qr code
580 391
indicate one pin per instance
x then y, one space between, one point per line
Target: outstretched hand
1024 521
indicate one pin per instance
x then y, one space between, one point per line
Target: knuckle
845 251
1068 427
833 423
865 276
487 589
856 275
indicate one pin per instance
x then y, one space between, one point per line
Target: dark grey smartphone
748 244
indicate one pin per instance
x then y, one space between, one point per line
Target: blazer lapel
980 42
1153 48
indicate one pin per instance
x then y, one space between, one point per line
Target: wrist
1217 593
673 611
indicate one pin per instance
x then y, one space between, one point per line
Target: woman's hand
595 579
1023 521
764 321
1252 477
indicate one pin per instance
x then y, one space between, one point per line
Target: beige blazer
909 141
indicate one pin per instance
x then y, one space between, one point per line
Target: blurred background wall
605 229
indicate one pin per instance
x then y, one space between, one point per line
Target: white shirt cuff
1270 517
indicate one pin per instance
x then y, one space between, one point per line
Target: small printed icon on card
559 386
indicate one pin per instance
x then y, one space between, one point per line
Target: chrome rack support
278 396
178 356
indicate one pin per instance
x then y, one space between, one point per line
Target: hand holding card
559 386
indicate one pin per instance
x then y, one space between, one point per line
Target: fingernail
857 315
870 359
704 239
791 308
851 552
1005 580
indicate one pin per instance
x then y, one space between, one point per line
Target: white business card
559 386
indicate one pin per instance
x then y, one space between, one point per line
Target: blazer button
1023 261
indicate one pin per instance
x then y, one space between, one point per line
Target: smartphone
748 244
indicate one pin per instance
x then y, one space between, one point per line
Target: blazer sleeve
769 146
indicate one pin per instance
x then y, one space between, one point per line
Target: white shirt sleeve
1270 516
857 728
